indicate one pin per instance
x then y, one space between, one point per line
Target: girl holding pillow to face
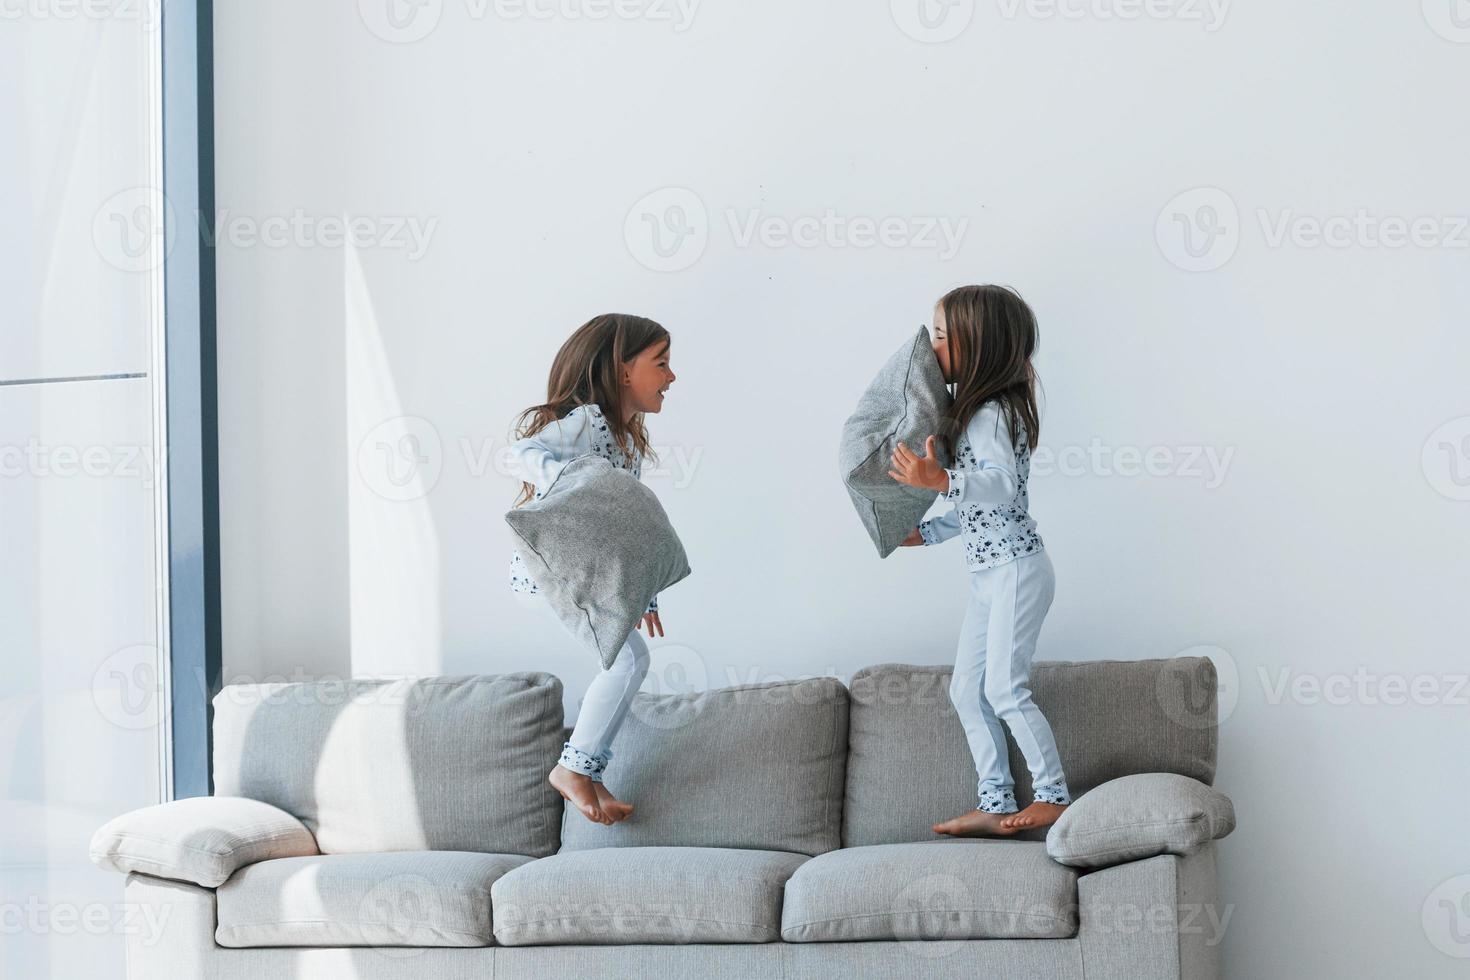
611 372
984 338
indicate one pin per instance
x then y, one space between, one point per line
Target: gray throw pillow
600 546
907 402
202 839
1136 817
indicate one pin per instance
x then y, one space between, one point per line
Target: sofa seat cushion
403 898
622 895
946 889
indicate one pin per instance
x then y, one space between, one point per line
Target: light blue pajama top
540 458
988 488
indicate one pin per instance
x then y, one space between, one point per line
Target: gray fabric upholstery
936 890
909 764
644 895
175 940
750 765
758 766
441 763
1139 816
601 547
403 898
202 840
907 402
957 959
1160 917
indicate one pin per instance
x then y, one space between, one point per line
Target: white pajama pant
992 681
605 706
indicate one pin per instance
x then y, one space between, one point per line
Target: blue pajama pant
992 677
605 706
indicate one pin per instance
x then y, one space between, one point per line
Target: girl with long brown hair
984 338
608 375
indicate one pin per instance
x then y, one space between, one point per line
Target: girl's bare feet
976 823
581 791
1037 814
611 805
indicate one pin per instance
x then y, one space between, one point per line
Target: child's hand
651 622
914 538
923 472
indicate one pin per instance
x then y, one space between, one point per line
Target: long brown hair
588 371
992 337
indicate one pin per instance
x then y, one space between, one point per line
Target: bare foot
611 805
976 823
1037 814
580 791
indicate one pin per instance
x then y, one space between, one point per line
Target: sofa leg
1155 919
172 934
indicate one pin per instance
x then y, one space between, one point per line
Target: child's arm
540 458
992 481
938 530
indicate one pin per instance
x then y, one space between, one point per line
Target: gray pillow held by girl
600 546
907 402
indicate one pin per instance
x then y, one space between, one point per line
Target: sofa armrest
1138 817
1160 918
202 840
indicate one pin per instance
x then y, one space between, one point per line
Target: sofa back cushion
756 766
439 763
910 766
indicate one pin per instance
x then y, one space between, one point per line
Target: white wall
1331 545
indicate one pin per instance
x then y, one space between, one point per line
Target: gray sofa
404 829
